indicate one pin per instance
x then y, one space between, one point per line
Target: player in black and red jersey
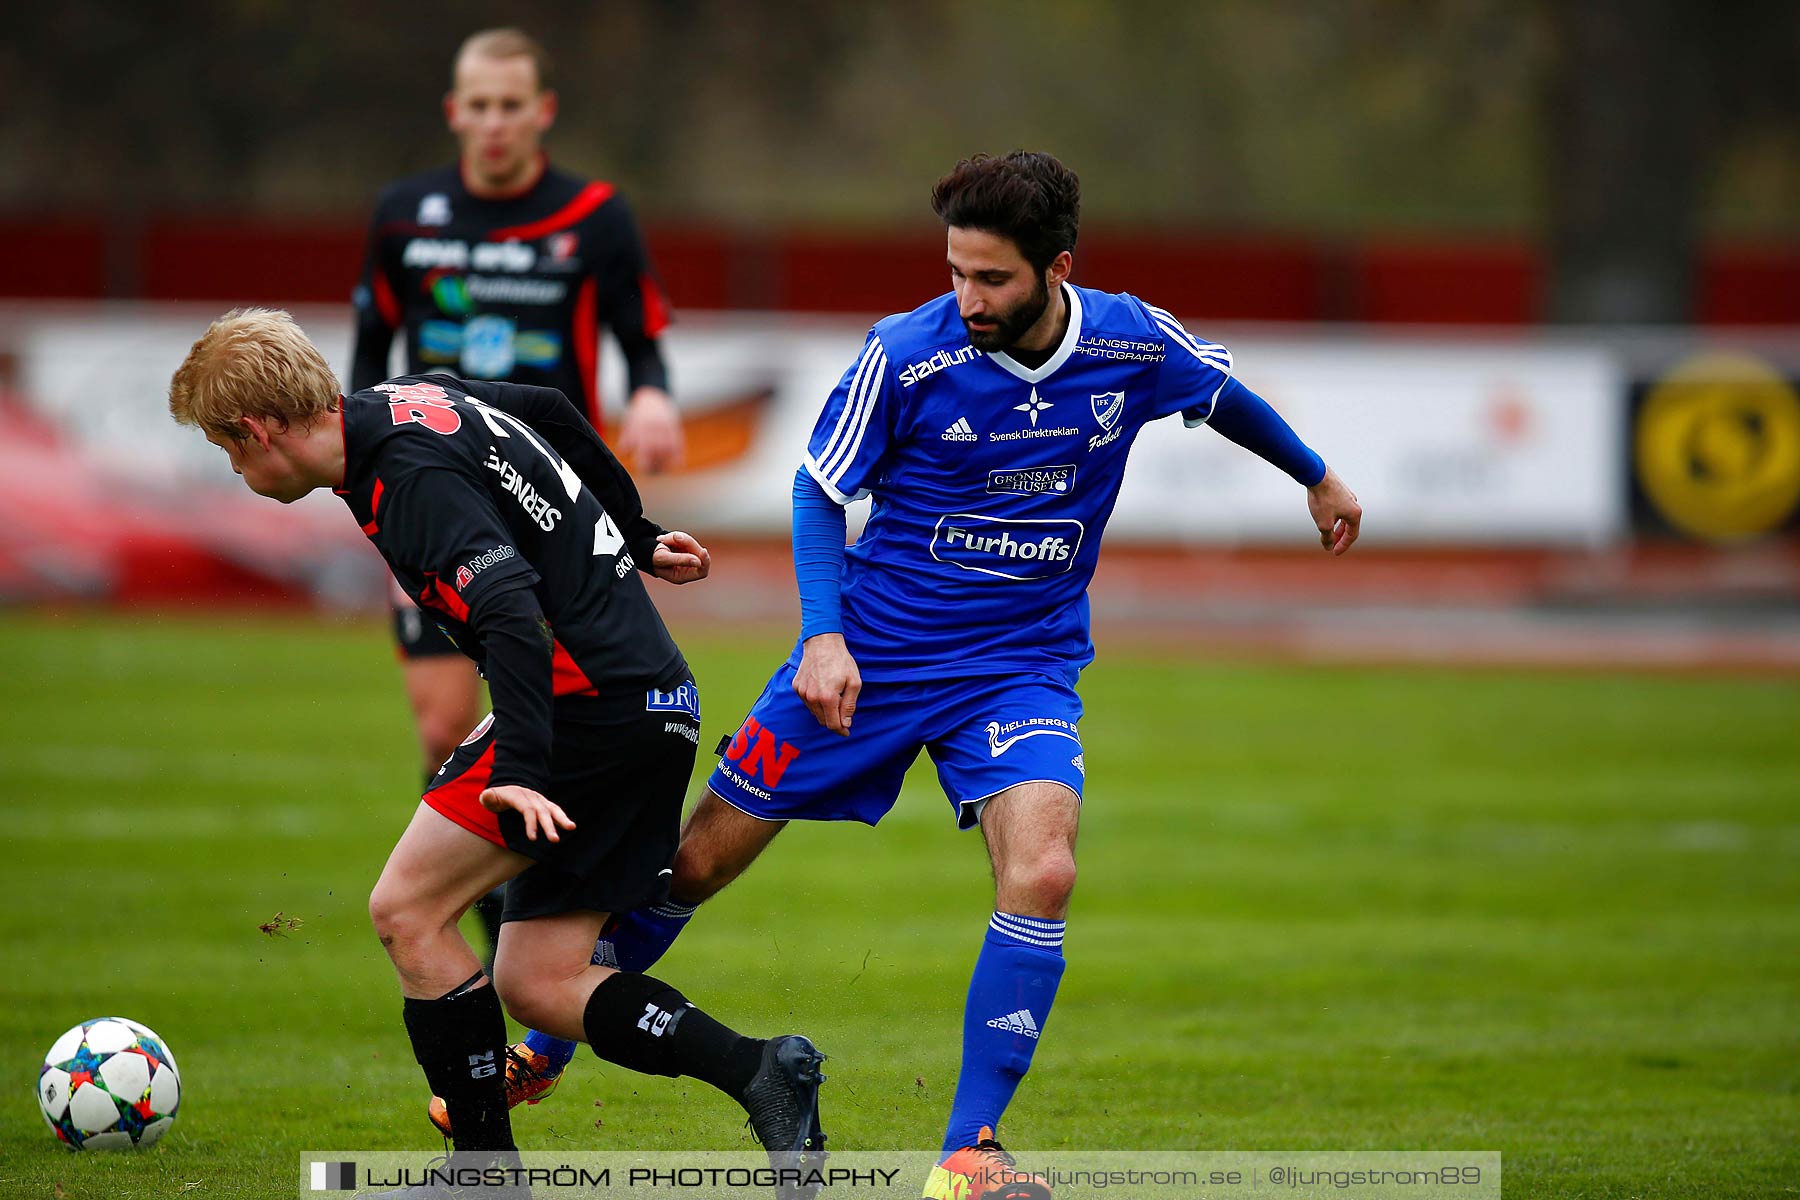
501 512
499 266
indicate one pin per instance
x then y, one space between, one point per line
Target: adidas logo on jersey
960 432
1016 1022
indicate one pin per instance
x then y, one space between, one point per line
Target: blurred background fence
1527 274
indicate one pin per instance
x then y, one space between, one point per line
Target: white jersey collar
1006 362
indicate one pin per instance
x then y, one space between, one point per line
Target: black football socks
643 1024
460 1041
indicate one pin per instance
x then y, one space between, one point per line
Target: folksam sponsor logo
1008 549
506 289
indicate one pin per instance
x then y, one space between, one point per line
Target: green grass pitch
1554 915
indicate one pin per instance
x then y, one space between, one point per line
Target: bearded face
1000 296
1001 330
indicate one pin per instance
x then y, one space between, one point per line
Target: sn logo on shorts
755 752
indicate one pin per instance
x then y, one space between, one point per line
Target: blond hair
252 362
505 43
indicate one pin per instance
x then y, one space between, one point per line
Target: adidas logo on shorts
960 432
1016 1022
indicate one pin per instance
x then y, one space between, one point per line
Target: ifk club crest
1107 408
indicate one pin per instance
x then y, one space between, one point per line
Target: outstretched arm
1247 419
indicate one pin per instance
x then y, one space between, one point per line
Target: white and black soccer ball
109 1084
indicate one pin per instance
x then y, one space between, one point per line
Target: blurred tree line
1614 129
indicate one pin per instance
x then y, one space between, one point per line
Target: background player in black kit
499 266
499 509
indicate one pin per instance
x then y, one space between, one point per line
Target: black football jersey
515 289
470 488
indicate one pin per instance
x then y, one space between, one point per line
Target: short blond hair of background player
506 43
252 362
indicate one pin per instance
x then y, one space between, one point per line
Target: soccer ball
107 1084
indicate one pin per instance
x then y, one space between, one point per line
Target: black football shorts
418 636
620 767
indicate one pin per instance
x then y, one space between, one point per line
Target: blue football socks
558 1051
1010 994
641 937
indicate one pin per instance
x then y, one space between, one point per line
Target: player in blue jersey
991 426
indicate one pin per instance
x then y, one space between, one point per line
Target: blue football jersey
993 482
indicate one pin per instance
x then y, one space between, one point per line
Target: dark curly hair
1026 196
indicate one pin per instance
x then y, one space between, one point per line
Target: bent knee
1041 887
698 876
395 920
400 919
519 996
539 998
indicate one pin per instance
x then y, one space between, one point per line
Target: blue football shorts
984 735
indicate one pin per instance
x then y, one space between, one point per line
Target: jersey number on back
607 539
424 404
429 405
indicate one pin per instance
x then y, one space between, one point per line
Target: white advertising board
1445 441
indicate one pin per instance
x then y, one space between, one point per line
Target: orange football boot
528 1080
